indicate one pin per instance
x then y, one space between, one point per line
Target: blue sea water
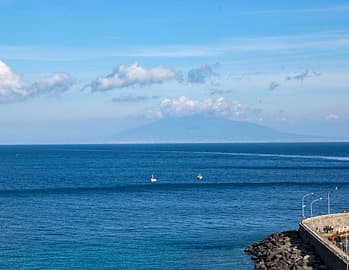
93 207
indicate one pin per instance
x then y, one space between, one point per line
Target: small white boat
199 176
152 179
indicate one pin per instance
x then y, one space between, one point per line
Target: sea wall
284 251
311 231
319 243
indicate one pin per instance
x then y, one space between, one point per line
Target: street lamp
311 206
306 195
329 201
346 244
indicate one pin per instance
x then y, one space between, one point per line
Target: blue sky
80 71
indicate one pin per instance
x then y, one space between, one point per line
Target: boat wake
334 158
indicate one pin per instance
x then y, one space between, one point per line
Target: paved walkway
332 229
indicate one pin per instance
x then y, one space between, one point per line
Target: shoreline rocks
283 251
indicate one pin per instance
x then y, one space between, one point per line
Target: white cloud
13 88
55 84
183 106
10 83
332 117
133 74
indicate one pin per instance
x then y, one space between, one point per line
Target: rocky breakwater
284 250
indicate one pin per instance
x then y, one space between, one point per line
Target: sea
93 206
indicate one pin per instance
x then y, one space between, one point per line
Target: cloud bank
131 75
13 88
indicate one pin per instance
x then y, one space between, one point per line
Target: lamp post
346 246
345 229
306 195
311 206
329 202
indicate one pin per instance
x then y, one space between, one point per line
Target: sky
81 71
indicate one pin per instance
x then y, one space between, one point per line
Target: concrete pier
327 234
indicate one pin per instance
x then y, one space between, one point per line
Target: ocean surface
93 207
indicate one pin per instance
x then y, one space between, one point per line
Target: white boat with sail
153 179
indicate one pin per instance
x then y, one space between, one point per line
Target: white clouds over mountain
130 75
13 88
185 106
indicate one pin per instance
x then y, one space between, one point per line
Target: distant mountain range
203 129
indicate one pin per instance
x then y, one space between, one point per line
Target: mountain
202 129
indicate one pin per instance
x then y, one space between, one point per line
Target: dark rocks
284 251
